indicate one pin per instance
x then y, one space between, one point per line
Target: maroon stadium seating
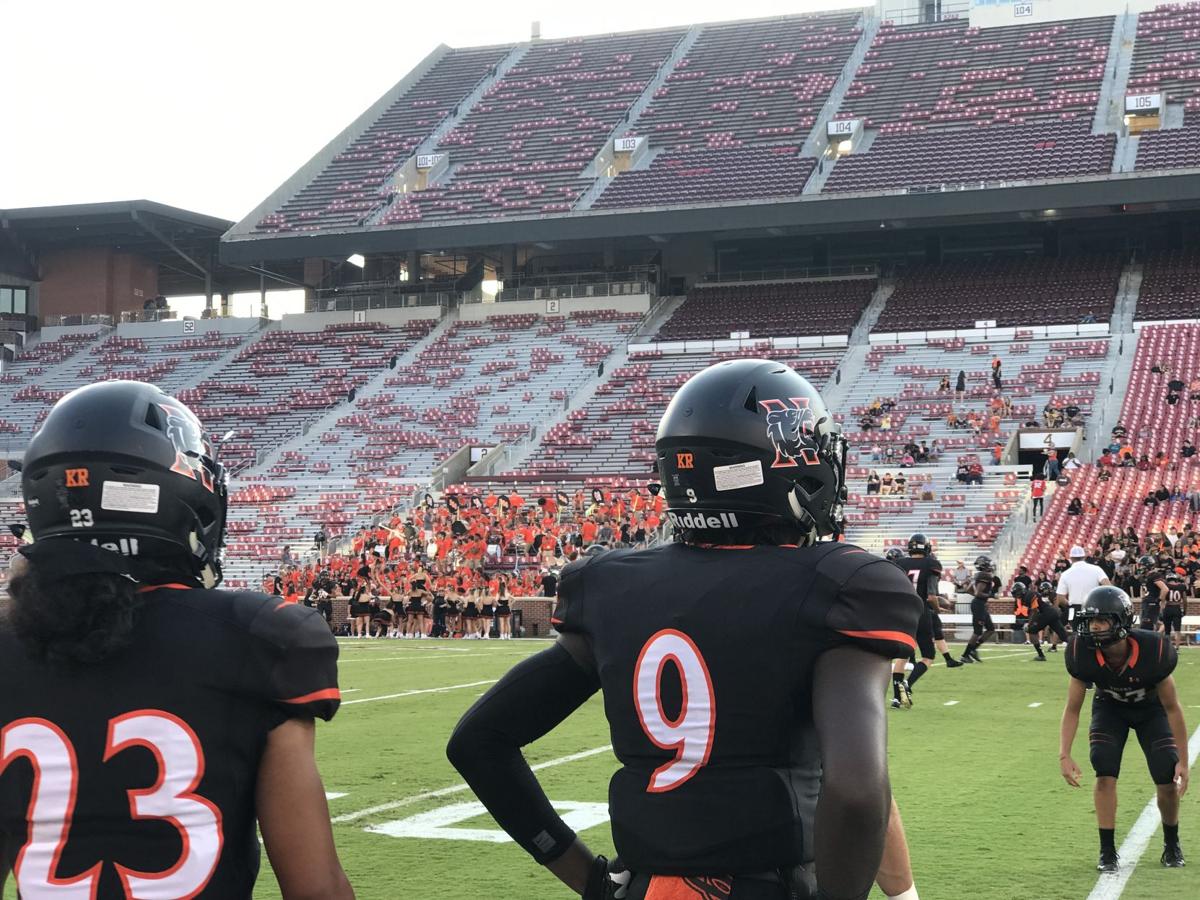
1010 291
773 309
523 148
1176 149
1166 56
348 189
1170 286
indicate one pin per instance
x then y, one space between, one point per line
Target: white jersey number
690 734
56 774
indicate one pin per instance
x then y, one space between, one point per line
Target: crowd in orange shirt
472 541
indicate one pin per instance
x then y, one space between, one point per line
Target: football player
925 571
158 720
720 732
983 588
1043 614
1131 671
1154 587
1176 600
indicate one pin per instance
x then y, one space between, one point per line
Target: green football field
974 768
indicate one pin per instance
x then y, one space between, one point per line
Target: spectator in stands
975 473
900 484
1158 368
286 558
1188 450
1104 474
1092 509
1162 494
1161 460
886 484
1071 463
997 382
1106 459
1037 491
1143 464
873 482
876 453
944 385
1051 468
923 452
1151 499
960 385
1126 455
1075 507
961 576
1194 500
1194 390
963 473
907 461
1175 387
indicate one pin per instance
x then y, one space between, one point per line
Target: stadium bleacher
769 309
1009 291
348 189
1166 55
1170 286
1152 425
523 148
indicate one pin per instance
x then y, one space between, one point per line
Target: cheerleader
470 618
503 612
487 611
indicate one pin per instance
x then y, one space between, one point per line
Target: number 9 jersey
150 757
706 659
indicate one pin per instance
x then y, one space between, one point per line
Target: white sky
210 106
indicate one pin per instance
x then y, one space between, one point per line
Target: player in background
983 587
1043 614
1176 586
1154 591
925 571
158 720
1134 689
720 733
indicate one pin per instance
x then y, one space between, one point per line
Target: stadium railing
747 275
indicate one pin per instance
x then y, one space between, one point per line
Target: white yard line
409 657
458 788
950 703
439 690
1110 887
1034 705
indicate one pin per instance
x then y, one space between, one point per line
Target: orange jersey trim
163 587
898 636
327 694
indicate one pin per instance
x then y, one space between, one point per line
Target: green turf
987 814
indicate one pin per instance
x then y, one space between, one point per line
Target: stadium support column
412 264
934 249
208 289
510 261
610 256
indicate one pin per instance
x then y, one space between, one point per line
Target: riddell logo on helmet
700 520
124 546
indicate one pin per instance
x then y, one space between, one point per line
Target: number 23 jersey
151 756
706 659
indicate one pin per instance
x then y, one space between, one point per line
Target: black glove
607 880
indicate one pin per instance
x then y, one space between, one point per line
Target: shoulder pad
568 611
876 606
295 655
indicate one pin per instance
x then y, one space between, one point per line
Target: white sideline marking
437 822
1110 887
461 786
1034 705
950 703
412 657
334 796
440 690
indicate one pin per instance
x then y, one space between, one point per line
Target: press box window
14 300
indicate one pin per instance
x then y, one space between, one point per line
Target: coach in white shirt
1078 581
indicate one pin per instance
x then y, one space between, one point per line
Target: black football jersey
1176 590
152 755
925 572
706 660
1151 659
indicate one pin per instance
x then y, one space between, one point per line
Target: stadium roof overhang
182 243
816 214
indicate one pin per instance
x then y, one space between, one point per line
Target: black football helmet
1046 589
1019 590
749 442
918 543
1105 602
893 554
984 564
124 467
